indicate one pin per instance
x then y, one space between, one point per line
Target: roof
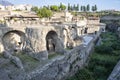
22 16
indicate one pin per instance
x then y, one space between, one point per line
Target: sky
101 4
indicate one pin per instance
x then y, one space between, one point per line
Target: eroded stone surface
38 45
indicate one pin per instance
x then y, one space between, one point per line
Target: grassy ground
28 62
102 61
50 56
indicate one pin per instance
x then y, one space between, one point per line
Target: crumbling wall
64 66
58 68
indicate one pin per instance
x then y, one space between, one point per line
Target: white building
2 7
23 7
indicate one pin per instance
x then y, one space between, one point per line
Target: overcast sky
102 4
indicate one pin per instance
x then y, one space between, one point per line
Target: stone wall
63 66
4 31
58 67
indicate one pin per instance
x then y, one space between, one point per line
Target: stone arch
13 40
73 32
53 43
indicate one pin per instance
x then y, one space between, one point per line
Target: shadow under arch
53 43
73 32
13 40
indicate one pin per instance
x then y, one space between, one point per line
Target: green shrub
103 49
52 55
116 45
117 53
100 71
83 74
102 61
28 62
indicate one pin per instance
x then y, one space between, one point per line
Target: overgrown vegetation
28 62
48 11
102 61
54 54
42 12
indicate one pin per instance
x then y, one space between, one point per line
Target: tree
77 8
84 9
69 8
46 7
103 49
74 7
44 12
62 7
81 8
95 7
35 9
88 7
54 8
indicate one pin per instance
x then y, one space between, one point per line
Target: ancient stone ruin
39 41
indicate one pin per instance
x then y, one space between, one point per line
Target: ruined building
41 39
44 39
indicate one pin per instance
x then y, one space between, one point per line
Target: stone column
65 38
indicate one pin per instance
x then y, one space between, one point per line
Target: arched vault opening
13 40
73 33
53 43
